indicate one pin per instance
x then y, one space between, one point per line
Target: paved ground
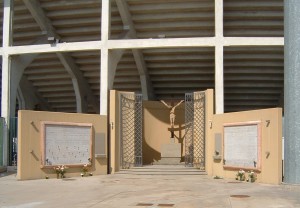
147 188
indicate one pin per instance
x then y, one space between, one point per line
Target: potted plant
57 171
63 171
251 176
240 175
85 169
60 170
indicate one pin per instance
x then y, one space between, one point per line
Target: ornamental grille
195 130
131 130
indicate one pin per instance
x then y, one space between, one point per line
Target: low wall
29 143
270 150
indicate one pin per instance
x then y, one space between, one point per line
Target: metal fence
13 141
195 130
131 130
1 140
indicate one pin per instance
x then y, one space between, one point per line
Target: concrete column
105 33
219 69
219 80
104 82
5 104
292 91
6 64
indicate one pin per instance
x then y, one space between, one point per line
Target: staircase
162 170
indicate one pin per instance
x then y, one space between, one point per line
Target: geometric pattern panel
199 130
189 129
195 130
131 130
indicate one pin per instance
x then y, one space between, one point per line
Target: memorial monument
171 152
172 115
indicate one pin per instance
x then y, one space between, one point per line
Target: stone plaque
66 143
242 145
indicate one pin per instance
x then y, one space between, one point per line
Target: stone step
162 170
11 168
3 169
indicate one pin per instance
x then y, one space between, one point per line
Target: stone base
2 169
11 168
170 154
168 161
172 140
171 150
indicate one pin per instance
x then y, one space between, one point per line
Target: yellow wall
271 140
114 122
155 130
209 112
115 125
29 142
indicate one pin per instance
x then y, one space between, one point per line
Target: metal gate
195 130
13 141
131 130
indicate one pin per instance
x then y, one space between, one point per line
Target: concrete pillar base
3 169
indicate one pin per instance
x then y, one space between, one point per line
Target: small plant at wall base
217 177
85 169
251 176
57 171
240 175
60 170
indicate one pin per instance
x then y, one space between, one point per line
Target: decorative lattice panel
189 123
131 130
195 130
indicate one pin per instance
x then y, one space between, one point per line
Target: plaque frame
43 138
259 146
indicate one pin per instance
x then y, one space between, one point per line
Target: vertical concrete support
6 62
105 33
104 82
219 80
219 70
292 91
5 104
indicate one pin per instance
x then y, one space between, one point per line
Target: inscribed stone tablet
241 146
67 144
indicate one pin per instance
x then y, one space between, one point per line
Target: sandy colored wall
29 142
155 131
115 128
209 112
114 122
271 141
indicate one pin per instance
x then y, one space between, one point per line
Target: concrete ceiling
253 76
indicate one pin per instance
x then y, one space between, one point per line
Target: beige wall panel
115 126
114 133
209 111
271 143
29 146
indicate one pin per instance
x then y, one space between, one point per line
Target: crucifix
172 114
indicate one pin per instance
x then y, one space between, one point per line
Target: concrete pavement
145 188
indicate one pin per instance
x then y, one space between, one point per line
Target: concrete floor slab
152 190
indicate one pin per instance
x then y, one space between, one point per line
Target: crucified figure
172 111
